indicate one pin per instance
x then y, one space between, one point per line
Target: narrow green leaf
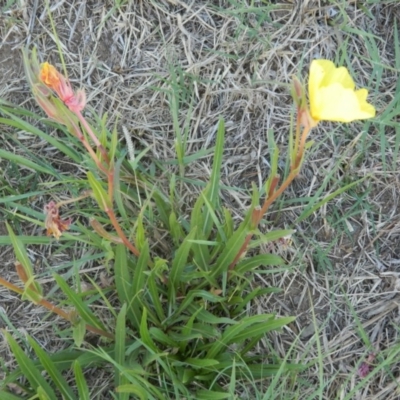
257 261
117 189
252 295
83 310
28 368
197 218
138 284
187 329
99 192
189 300
231 250
123 279
25 126
212 194
133 389
20 160
120 335
233 331
201 363
163 208
309 211
154 291
8 396
176 230
57 379
228 225
178 265
42 394
80 380
271 236
20 252
144 333
262 328
159 336
211 395
140 234
210 212
78 332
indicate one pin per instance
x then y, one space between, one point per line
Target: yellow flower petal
332 94
49 75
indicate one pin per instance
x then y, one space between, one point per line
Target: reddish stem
51 307
274 194
93 137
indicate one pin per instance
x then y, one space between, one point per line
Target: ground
235 59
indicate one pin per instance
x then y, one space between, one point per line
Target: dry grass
235 60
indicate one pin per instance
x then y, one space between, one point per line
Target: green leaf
230 334
20 252
201 363
20 160
57 379
25 126
271 236
133 389
212 192
306 213
211 395
257 261
257 292
153 288
78 332
178 265
81 384
117 189
8 396
120 334
99 192
140 234
196 217
138 284
231 250
163 208
176 230
158 335
144 333
189 300
123 279
42 394
262 328
187 329
28 368
228 225
274 157
83 310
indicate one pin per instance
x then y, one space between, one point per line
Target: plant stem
273 194
93 137
120 232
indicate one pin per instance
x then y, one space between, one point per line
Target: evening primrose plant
180 327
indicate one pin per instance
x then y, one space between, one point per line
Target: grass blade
81 384
57 379
83 310
28 368
120 333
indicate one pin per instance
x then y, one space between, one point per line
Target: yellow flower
57 82
49 75
333 96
